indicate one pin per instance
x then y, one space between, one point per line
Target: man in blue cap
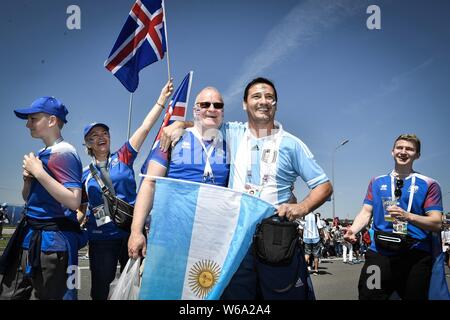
49 235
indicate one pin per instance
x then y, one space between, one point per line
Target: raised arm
139 136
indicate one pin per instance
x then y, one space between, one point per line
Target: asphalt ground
335 281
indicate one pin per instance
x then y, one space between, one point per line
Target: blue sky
336 79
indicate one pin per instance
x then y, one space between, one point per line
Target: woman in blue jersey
199 156
108 243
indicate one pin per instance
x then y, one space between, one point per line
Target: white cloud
391 86
303 24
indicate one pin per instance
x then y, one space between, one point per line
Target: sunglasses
398 188
206 105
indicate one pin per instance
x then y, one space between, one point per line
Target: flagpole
129 115
167 39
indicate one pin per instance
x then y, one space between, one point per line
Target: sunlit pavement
335 281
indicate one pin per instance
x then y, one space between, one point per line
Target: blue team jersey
271 163
61 162
188 159
120 167
425 197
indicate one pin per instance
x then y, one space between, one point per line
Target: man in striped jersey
265 162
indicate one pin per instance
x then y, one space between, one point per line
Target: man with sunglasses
404 262
200 156
265 162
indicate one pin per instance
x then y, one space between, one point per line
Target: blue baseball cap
49 105
90 126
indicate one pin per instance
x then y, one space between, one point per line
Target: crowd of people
67 206
4 219
324 239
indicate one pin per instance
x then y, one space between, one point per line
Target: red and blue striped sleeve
127 154
369 195
433 200
66 168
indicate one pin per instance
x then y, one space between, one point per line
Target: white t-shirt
445 234
311 228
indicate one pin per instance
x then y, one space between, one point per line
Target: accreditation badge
269 156
100 215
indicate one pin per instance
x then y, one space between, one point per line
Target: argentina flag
198 237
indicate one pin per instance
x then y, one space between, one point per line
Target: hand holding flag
175 111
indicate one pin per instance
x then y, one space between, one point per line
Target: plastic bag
127 286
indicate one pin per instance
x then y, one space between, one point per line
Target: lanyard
267 145
240 179
105 172
207 172
411 189
108 161
268 157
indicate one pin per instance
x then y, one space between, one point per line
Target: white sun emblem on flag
203 276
